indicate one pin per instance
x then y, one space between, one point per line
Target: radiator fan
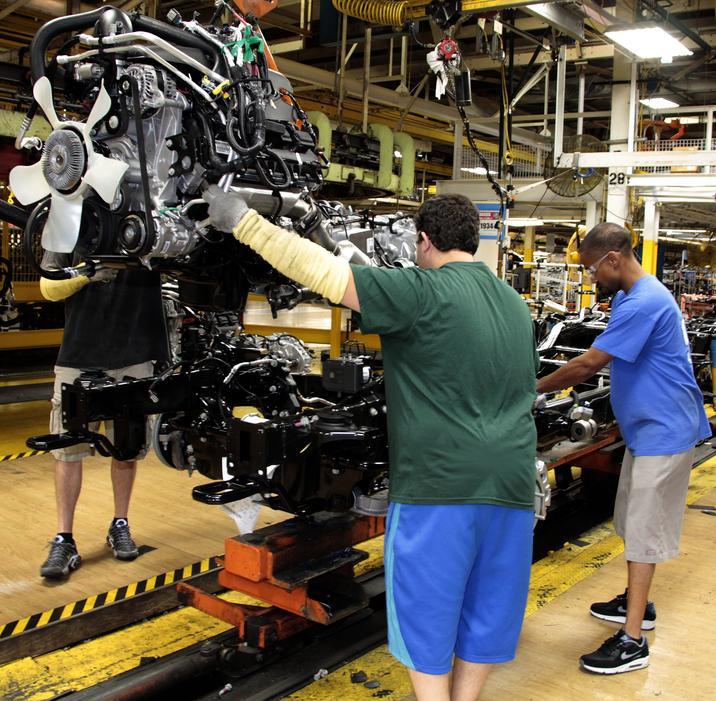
68 168
573 182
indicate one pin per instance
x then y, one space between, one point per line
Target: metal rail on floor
101 613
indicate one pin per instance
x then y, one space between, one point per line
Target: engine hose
72 23
258 114
86 268
266 179
259 132
50 73
382 12
12 214
216 163
178 37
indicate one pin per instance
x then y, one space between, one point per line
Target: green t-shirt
460 364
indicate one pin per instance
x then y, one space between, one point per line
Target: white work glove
104 275
226 209
540 402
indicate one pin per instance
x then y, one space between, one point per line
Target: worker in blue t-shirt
460 363
660 412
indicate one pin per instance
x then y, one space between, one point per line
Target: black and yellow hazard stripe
61 613
24 454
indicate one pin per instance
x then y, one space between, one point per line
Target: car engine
172 108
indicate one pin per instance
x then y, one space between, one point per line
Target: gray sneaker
63 558
120 540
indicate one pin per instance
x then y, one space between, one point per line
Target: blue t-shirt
656 401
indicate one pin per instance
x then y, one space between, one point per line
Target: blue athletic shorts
456 577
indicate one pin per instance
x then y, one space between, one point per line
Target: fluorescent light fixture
477 171
690 242
668 199
397 154
528 221
648 42
659 103
673 180
683 120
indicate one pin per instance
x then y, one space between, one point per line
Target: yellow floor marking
151 583
131 590
89 604
44 618
67 611
21 625
111 596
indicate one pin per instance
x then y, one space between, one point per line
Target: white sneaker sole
632 666
645 625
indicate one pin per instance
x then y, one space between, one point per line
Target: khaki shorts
66 376
650 504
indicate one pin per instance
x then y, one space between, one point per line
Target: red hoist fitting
447 49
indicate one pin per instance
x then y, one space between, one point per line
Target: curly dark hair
451 222
606 237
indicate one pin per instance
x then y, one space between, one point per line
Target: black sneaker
620 653
63 558
120 540
615 611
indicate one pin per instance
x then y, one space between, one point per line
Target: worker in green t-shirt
460 367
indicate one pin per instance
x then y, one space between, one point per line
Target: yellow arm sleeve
57 290
297 258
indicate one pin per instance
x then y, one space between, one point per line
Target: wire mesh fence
527 162
13 250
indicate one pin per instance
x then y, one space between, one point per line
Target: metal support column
581 68
366 74
591 215
709 135
559 100
529 251
341 77
457 151
650 245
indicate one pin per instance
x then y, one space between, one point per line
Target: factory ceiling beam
561 17
579 52
585 52
9 9
383 96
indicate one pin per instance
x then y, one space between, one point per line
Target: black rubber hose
215 162
13 215
259 125
47 32
178 37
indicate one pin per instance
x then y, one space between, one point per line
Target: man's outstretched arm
575 371
299 259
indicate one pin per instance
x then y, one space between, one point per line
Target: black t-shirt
112 325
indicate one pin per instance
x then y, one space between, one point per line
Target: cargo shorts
650 504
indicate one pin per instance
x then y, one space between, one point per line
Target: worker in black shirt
114 322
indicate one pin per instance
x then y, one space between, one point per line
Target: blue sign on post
491 223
